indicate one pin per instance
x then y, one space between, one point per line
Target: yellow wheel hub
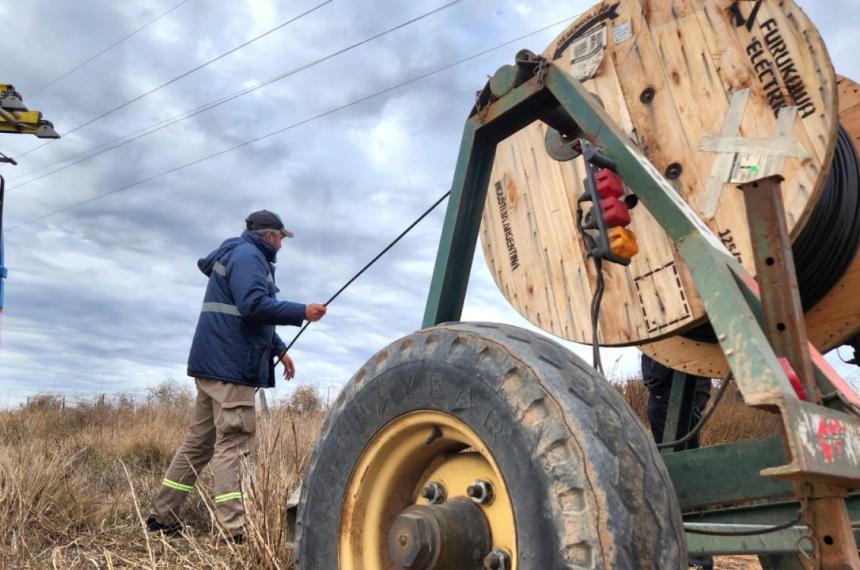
410 452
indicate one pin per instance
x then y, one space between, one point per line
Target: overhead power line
107 49
287 127
146 131
178 77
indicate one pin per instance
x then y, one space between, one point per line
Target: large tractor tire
482 445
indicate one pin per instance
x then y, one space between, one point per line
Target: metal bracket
11 99
16 118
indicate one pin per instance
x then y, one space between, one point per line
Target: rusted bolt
434 492
411 540
481 492
647 95
498 559
674 170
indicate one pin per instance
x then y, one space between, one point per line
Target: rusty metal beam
823 505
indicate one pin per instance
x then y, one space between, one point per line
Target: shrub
306 400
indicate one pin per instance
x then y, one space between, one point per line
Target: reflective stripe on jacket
235 340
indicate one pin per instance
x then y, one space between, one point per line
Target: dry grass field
75 485
76 480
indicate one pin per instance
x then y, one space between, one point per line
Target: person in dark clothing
658 380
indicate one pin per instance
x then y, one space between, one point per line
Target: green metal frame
679 416
757 470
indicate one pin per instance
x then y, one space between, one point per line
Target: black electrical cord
374 260
702 421
597 297
595 315
828 242
765 530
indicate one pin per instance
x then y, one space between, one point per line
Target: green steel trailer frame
736 490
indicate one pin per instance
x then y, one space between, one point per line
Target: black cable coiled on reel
826 246
828 242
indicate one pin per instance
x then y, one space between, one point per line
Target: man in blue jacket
233 354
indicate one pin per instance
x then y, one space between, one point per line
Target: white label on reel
587 53
622 32
747 166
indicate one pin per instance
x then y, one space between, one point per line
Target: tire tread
614 505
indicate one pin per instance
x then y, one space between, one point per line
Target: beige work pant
223 431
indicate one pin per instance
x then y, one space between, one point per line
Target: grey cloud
105 296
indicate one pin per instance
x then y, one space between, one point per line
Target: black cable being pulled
765 530
828 242
702 421
374 260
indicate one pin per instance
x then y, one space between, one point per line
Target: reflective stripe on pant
222 430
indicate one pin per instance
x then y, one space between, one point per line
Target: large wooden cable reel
714 92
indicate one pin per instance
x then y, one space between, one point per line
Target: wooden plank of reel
671 75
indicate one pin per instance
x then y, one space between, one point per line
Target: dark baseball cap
266 220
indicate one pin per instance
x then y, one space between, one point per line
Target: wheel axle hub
438 537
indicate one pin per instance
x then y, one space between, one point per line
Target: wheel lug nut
498 559
480 492
434 492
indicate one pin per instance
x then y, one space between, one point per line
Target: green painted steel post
517 109
460 231
679 416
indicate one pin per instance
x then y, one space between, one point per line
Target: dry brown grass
75 483
76 480
732 421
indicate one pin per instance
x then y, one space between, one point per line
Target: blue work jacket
235 340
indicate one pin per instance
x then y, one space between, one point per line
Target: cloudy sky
103 297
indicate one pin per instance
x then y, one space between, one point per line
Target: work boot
703 562
173 529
